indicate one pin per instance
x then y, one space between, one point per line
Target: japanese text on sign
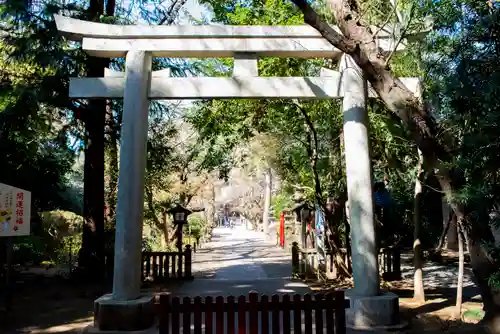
14 211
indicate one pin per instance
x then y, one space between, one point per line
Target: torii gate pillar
369 308
126 309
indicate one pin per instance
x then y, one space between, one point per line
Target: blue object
382 198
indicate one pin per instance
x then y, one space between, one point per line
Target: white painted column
359 179
133 150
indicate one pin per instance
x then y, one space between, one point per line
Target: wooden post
340 321
179 247
295 258
397 264
188 257
253 311
167 266
8 274
164 314
179 236
148 264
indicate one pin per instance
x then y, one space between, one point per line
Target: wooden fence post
164 314
295 259
180 258
187 259
397 263
340 321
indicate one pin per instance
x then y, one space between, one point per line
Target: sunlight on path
238 260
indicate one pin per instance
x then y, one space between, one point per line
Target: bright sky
192 9
195 10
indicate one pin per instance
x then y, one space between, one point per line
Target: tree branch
312 150
170 15
359 43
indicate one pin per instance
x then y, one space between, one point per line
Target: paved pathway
238 260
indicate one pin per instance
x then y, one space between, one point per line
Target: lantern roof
179 208
301 205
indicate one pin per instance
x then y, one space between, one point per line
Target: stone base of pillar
129 315
373 313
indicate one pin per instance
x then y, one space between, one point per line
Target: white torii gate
138 84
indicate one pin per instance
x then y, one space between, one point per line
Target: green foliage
62 234
33 142
197 225
281 202
463 82
56 238
281 127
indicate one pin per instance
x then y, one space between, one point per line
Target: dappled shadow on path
49 307
237 261
54 305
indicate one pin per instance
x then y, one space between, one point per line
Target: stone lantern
179 215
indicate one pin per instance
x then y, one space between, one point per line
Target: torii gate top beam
205 41
76 30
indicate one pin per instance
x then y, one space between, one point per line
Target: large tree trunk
452 234
449 236
91 255
446 226
418 288
481 262
357 40
111 130
92 251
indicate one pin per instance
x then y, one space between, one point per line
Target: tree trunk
481 263
357 40
267 201
112 165
212 204
460 282
167 234
449 235
91 254
164 240
446 226
452 235
418 287
111 130
92 251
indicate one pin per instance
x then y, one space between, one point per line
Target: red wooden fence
255 315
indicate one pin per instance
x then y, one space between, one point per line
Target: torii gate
126 308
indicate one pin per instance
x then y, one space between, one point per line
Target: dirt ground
437 315
54 307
